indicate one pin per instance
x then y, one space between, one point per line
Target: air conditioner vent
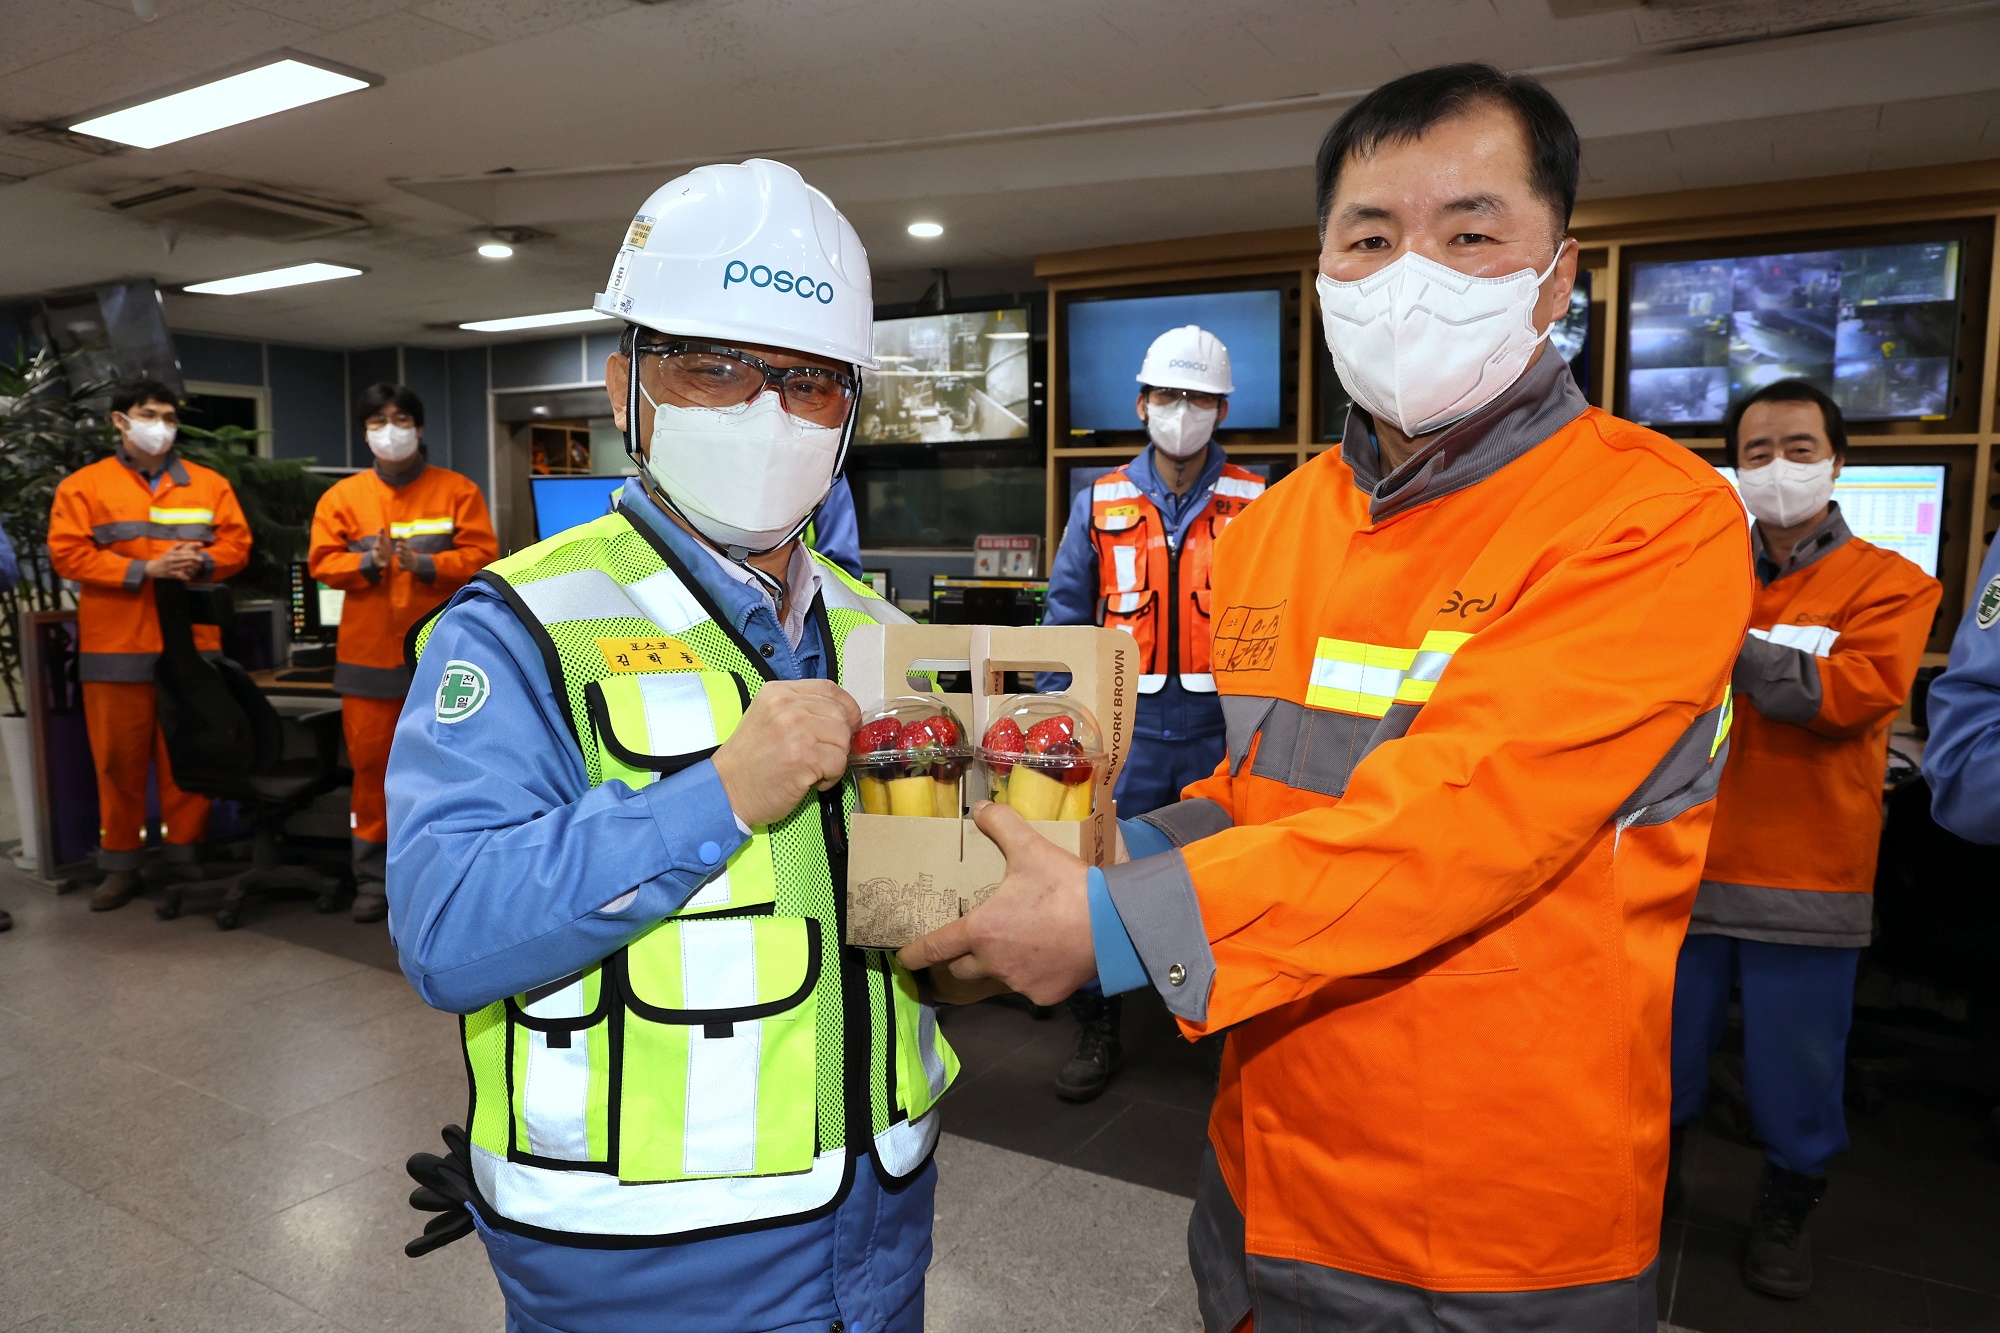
238 208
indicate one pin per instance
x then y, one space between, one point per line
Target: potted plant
48 429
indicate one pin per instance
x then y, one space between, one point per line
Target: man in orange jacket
1474 666
398 540
116 525
1786 903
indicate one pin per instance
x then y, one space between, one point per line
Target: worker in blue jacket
1962 755
1135 555
616 818
834 531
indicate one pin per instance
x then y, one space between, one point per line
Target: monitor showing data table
1897 507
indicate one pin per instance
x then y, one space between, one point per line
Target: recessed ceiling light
270 278
532 321
497 250
218 103
926 229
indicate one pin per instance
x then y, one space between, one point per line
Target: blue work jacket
508 870
1962 755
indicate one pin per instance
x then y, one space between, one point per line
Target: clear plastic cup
1040 754
908 759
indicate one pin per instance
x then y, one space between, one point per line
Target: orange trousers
369 725
125 738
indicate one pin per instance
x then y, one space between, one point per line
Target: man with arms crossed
1475 668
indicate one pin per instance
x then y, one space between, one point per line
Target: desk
274 684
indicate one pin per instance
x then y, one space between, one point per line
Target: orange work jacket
1474 716
1151 591
442 516
107 521
1837 637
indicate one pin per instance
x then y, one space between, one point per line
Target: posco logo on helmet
1182 363
783 281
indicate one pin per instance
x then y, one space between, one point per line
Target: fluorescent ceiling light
1006 337
497 250
270 278
926 229
532 321
264 91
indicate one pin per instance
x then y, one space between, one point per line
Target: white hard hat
748 254
1189 357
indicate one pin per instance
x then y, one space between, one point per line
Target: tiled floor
205 1131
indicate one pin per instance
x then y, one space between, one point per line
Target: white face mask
746 477
1420 345
1783 493
151 438
1182 430
392 444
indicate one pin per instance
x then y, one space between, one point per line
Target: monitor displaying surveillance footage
1874 326
947 379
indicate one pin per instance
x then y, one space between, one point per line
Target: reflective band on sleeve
1126 561
555 1094
1238 488
719 971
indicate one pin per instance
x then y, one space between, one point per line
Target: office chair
224 739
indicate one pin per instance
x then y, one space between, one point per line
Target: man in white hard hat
617 820
1136 555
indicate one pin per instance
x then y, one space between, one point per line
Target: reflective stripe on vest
707 1074
1137 572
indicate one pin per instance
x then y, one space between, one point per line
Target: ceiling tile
331 15
511 20
209 36
394 44
38 30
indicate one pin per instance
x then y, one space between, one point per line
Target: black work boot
1676 1197
1778 1261
1097 1055
115 890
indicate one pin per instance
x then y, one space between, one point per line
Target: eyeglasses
1168 397
716 375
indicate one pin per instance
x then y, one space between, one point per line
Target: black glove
444 1187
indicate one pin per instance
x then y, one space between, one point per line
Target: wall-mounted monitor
1106 341
563 502
1873 326
947 379
1897 507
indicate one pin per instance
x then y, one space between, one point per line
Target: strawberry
1004 738
877 735
1075 770
1045 735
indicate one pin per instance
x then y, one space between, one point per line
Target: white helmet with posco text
725 256
1189 357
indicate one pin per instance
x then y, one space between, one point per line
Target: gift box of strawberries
1040 753
909 757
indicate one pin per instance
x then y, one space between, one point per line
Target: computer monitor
315 607
1875 327
957 601
948 379
1897 507
1107 340
563 502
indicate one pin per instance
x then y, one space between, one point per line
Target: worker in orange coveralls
141 514
398 540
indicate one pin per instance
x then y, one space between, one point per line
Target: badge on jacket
462 691
1987 613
